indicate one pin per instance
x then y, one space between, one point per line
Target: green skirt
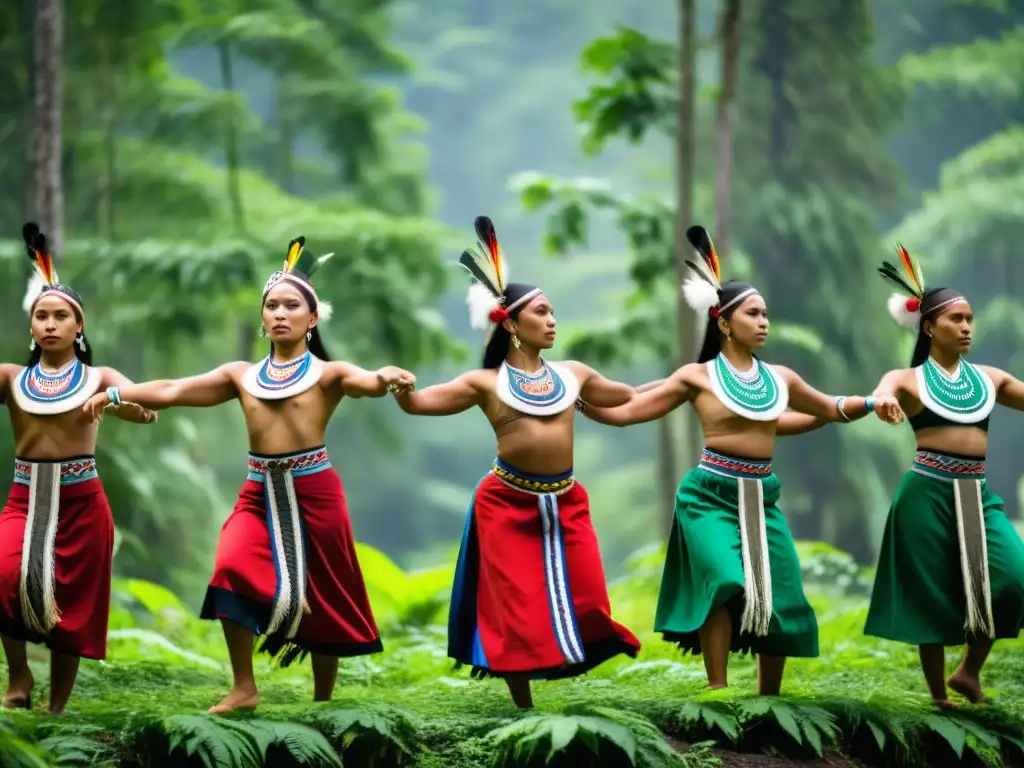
919 596
704 568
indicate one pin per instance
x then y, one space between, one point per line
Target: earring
515 341
80 341
32 344
309 335
263 332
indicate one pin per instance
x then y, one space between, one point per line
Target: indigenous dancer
732 580
286 565
529 599
56 530
951 568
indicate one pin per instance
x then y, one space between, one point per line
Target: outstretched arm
458 395
649 386
806 399
127 411
1009 389
651 405
204 391
358 382
792 423
596 390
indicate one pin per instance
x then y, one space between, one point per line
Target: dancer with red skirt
529 599
56 529
286 565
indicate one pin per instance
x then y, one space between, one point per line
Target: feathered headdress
486 263
44 273
299 261
703 291
905 308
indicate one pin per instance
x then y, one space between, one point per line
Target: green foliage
824 566
228 743
370 738
18 751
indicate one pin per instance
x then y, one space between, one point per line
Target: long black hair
933 303
314 343
83 352
727 295
497 347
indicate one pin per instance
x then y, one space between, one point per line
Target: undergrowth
862 699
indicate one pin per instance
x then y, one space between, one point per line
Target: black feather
485 231
466 260
892 273
700 273
700 240
29 232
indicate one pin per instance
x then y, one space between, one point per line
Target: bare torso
292 424
723 430
56 436
538 445
962 440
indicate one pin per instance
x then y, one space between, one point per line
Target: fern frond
216 742
16 751
543 737
303 744
713 716
384 735
652 749
71 750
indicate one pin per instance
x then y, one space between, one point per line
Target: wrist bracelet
114 396
840 401
869 403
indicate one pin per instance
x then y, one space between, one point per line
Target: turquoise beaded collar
758 395
967 396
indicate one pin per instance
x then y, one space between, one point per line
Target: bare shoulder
481 379
234 370
691 374
785 373
998 375
581 371
9 371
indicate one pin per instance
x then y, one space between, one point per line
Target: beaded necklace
758 394
966 396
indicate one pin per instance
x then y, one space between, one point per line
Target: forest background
196 139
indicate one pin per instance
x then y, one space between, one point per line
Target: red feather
908 265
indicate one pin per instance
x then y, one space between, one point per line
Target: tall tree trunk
227 81
729 42
285 139
47 61
110 129
245 329
687 329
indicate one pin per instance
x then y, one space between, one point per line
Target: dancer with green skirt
951 568
732 580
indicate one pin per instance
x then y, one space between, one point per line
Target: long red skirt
255 572
529 594
83 552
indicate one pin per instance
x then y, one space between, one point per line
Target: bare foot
967 686
717 686
19 693
51 710
237 698
946 704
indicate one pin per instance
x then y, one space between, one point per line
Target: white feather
324 310
481 303
699 295
705 270
36 283
898 311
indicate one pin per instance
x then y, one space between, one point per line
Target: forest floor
861 703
